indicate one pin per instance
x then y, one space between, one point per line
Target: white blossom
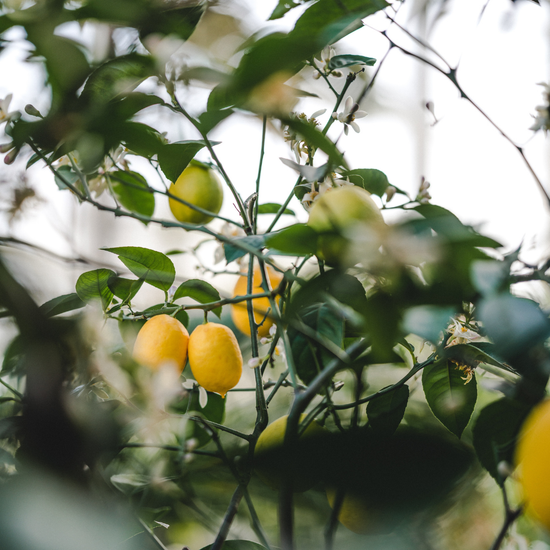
5 114
348 115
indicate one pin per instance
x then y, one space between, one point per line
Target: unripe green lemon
272 465
200 186
215 357
341 211
356 514
533 459
162 339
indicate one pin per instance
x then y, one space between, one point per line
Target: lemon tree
396 356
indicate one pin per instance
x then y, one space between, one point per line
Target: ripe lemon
160 340
215 357
200 186
533 457
270 464
239 312
341 211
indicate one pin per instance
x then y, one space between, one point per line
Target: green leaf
67 173
233 253
183 317
514 324
174 157
201 291
273 208
297 240
382 320
237 545
210 119
139 138
496 431
386 411
125 289
153 267
62 304
473 354
133 192
340 61
13 355
283 7
490 276
94 285
428 321
171 20
310 357
374 181
450 399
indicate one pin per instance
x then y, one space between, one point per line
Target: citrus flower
326 55
299 146
348 115
117 157
542 118
460 334
423 196
5 115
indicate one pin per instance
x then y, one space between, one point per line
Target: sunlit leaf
374 181
297 240
133 192
94 285
273 208
125 289
450 398
153 267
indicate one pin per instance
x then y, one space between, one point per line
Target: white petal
348 105
203 397
355 126
360 114
318 113
334 115
346 130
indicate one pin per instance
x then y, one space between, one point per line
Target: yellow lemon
271 465
162 339
342 211
215 357
533 458
200 186
239 312
356 514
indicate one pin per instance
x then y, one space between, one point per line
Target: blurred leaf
10 426
374 181
310 357
309 173
428 322
201 291
514 324
117 77
451 400
171 19
95 284
382 320
339 61
67 173
237 545
133 192
210 119
174 157
135 102
489 276
473 354
233 253
386 411
183 317
273 208
283 7
496 431
125 289
13 354
297 240
139 138
6 458
153 267
62 304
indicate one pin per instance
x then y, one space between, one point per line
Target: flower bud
33 111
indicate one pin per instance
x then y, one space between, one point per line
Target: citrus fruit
270 463
239 312
200 186
161 339
215 357
533 458
340 212
355 513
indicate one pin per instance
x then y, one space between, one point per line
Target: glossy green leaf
125 289
310 357
153 267
233 252
175 157
273 208
210 119
201 291
340 61
374 181
495 433
62 304
283 7
451 399
133 192
296 240
94 285
139 138
386 411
